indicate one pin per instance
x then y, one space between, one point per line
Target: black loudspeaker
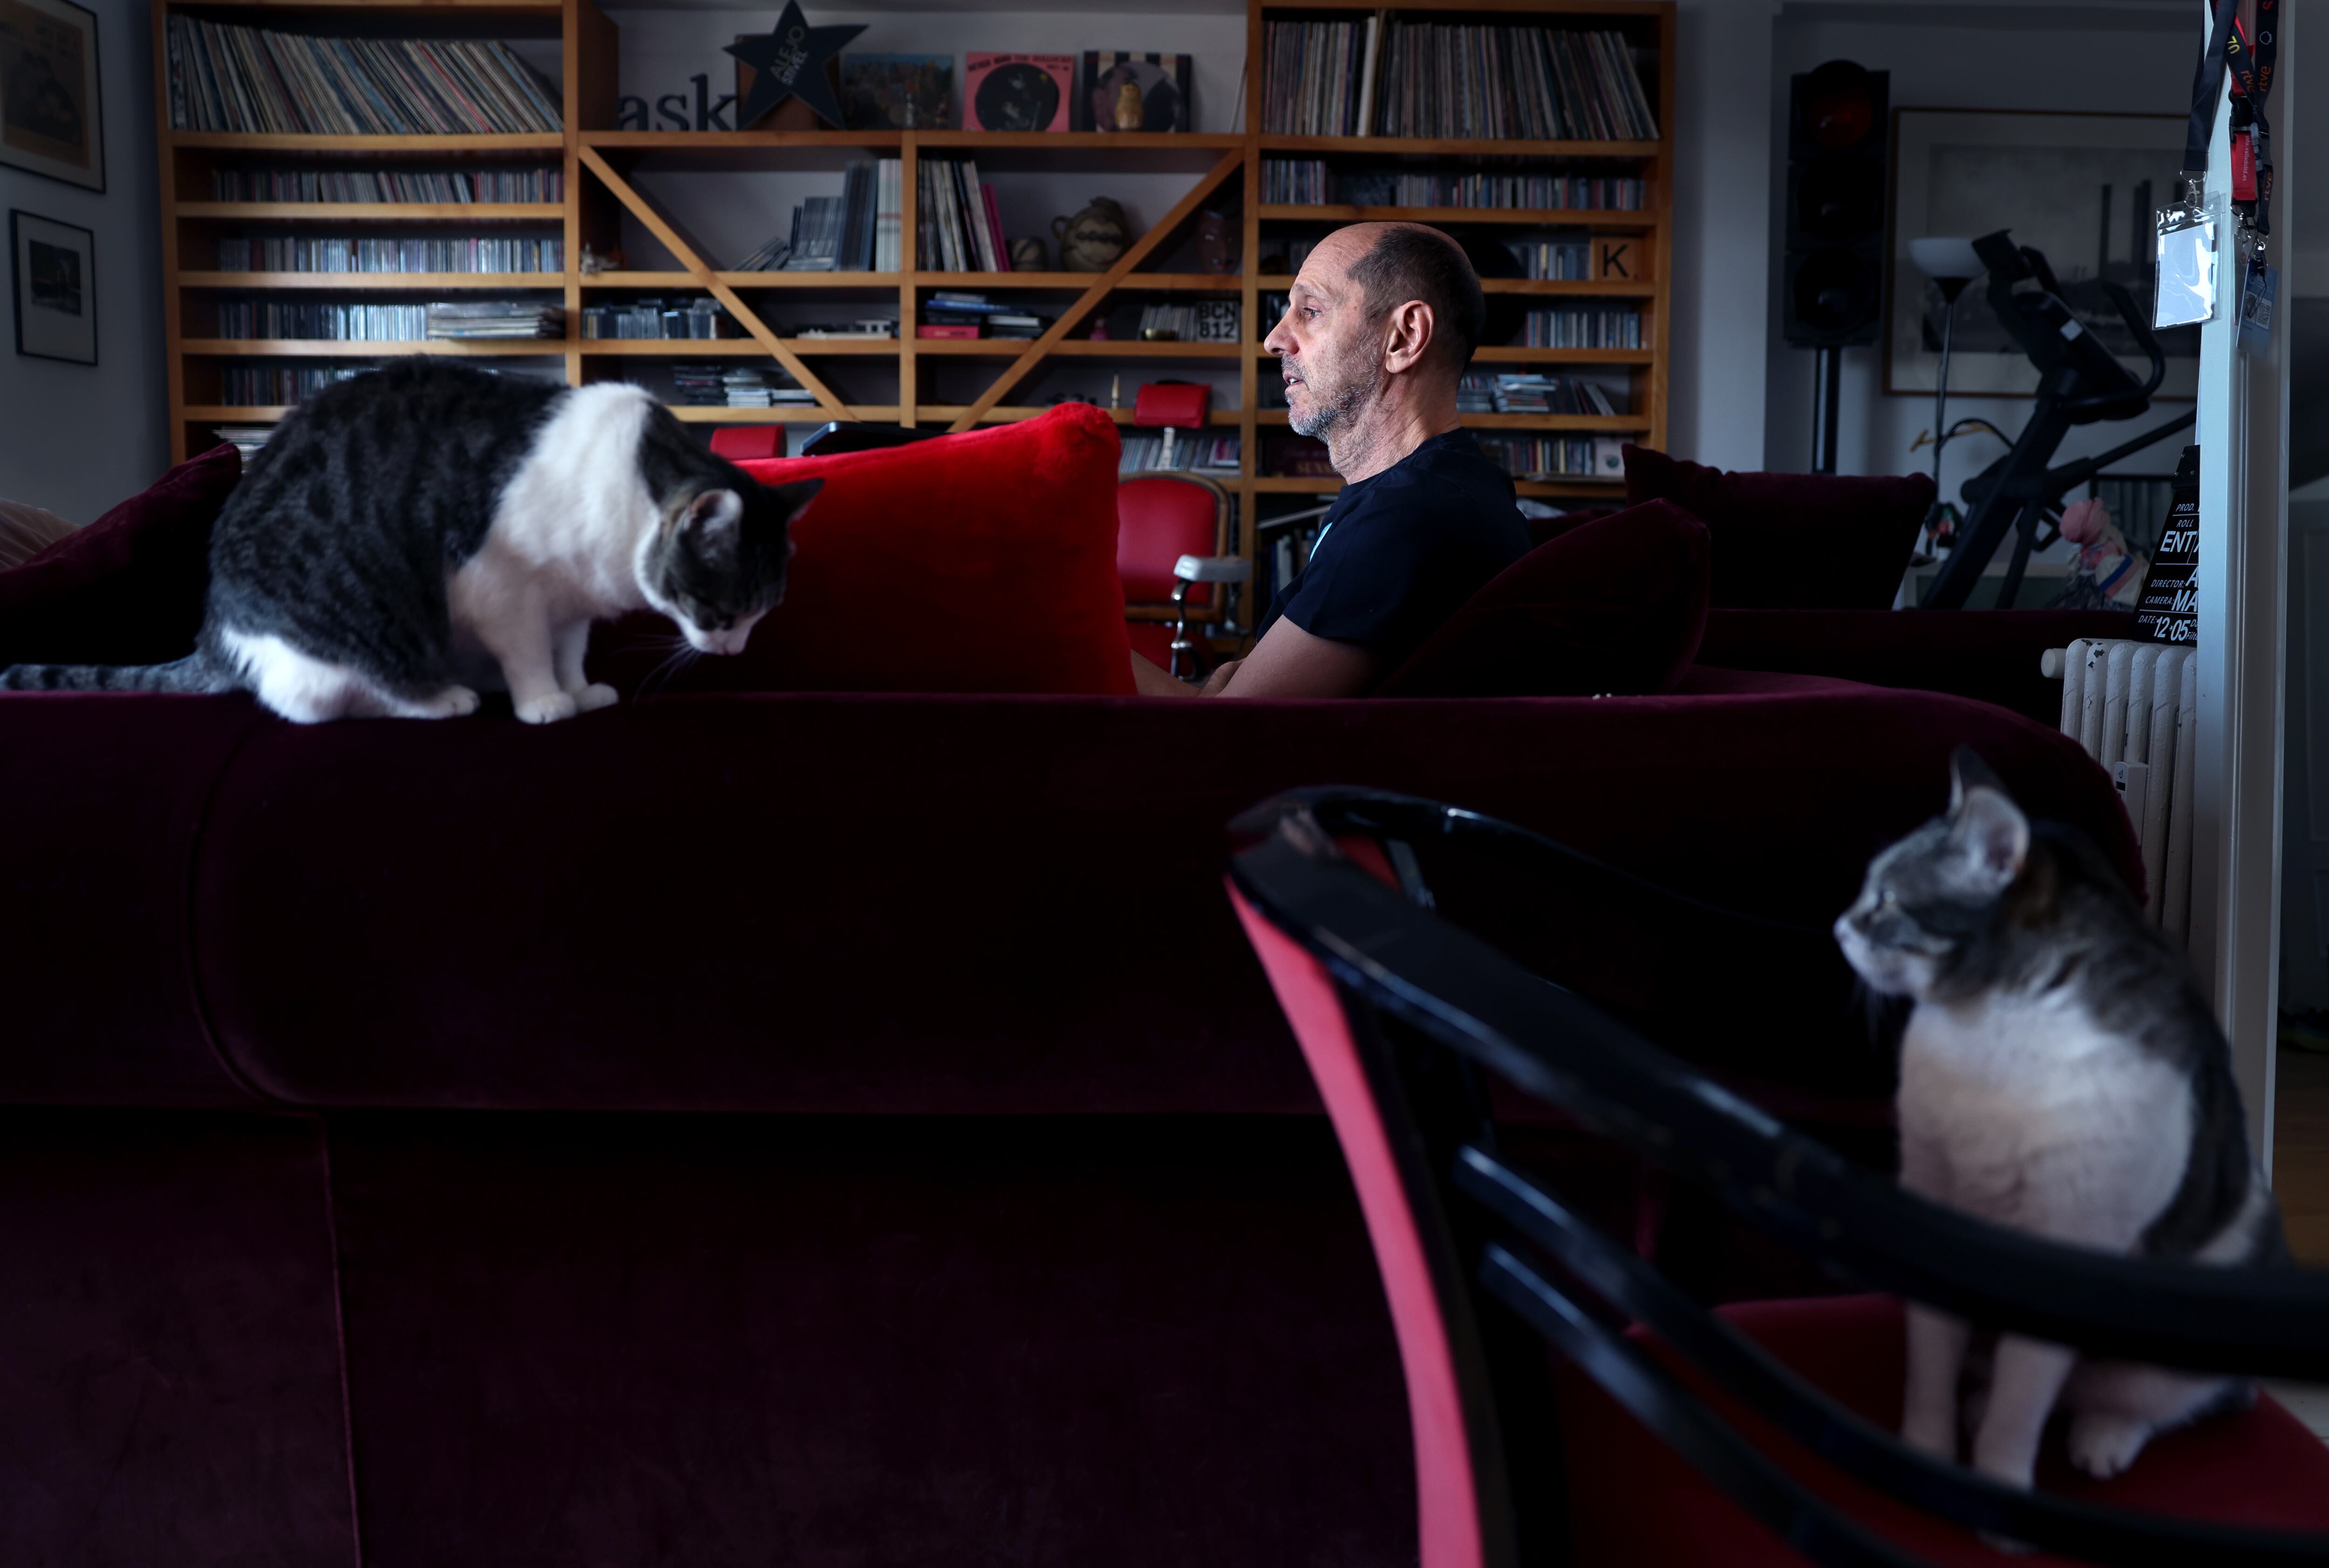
1839 133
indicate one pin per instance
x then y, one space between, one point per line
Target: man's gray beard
1324 413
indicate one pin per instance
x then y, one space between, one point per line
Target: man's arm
1287 661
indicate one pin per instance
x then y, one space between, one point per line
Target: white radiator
2131 705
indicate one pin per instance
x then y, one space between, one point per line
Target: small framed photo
56 287
52 119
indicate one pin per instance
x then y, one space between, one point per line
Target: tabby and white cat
2060 1074
413 535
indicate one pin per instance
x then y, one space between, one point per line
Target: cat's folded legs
573 643
2119 1406
522 643
2025 1379
1937 1349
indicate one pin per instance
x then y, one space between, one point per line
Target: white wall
77 438
2122 57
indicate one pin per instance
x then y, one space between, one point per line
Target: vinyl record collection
960 227
1311 182
367 185
281 254
1385 77
224 78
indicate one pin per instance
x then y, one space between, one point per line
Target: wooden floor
2300 1159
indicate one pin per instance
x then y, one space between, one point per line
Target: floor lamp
1951 264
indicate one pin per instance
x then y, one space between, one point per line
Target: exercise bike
2080 382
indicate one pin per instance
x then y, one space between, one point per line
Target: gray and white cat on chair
2060 1074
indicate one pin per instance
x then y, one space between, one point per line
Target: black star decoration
790 60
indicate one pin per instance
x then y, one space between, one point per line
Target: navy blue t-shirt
1403 551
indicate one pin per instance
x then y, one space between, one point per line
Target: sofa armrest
1989 654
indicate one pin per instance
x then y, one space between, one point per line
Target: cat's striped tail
198 671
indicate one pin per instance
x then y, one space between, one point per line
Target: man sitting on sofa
1379 328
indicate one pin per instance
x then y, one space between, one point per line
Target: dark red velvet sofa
782 1127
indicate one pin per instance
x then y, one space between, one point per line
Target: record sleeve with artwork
1133 93
51 119
896 92
1017 93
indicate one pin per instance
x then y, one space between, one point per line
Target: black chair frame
1432 1008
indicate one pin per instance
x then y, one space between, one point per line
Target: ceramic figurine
1092 240
1217 243
1130 113
1030 254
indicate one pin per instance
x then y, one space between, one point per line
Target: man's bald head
1397 262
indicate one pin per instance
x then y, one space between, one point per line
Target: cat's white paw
594 697
451 702
2103 1445
1931 1433
548 709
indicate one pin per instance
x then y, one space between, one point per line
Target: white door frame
2243 436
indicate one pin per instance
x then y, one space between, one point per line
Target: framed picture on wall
2081 188
52 121
55 265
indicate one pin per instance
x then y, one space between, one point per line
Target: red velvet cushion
1634 1502
1614 605
127 589
1788 541
978 562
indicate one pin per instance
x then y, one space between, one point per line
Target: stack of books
1541 394
224 78
1213 321
960 225
247 439
656 318
1476 393
270 320
496 318
865 327
1193 451
1380 77
955 314
856 232
1585 326
1570 259
281 254
366 185
738 387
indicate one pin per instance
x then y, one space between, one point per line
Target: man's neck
1390 428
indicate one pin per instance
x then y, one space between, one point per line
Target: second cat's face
720 560
1926 897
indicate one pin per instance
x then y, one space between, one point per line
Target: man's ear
1409 328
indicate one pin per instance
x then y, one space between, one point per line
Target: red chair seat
1633 1502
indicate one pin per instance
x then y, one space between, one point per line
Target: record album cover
898 92
1017 93
1133 92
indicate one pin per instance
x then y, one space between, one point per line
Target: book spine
994 228
1366 125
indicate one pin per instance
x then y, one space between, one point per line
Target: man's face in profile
1329 353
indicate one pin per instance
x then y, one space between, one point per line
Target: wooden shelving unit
598 161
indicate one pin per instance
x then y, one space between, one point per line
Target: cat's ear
1991 834
1968 772
793 498
712 520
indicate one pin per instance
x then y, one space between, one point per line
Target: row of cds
1531 393
1385 77
1554 456
372 185
1584 326
709 386
246 321
224 78
287 253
